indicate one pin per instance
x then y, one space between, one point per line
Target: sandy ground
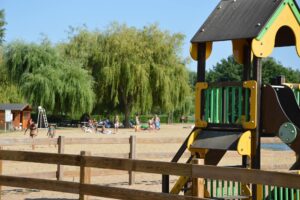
150 182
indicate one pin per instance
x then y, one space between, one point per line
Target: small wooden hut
20 114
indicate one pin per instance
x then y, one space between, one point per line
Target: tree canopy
45 78
229 70
2 24
134 69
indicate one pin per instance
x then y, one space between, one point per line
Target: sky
31 20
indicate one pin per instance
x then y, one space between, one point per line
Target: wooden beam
37 157
28 141
167 140
85 175
123 193
201 64
32 183
247 176
88 189
1 172
97 141
61 150
54 141
256 144
132 156
198 189
158 167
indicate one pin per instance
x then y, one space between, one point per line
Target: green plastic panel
226 105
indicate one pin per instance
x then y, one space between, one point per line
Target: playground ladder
42 117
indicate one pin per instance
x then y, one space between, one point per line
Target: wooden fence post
61 150
1 168
85 174
132 155
198 188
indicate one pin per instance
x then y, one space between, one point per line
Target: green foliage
135 70
45 78
229 70
272 68
2 24
9 91
192 79
23 58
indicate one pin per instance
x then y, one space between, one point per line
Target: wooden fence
61 142
85 161
132 141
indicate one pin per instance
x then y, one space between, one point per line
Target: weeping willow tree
45 78
2 24
21 58
9 91
134 69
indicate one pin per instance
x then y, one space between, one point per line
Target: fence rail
84 161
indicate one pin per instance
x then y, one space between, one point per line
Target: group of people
153 124
102 125
32 127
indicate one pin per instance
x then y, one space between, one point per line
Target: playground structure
42 121
233 116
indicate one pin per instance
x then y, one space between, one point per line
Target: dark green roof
15 107
236 19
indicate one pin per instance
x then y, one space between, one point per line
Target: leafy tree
272 68
9 92
192 79
2 24
21 58
135 70
45 78
229 70
225 70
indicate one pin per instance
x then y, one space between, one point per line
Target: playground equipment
233 116
42 118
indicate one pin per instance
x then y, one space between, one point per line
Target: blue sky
29 19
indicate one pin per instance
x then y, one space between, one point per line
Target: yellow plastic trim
251 124
198 119
246 191
238 50
264 47
293 85
179 184
194 50
191 139
259 193
244 144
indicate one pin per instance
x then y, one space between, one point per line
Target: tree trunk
127 115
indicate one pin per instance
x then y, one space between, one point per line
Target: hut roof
14 107
237 19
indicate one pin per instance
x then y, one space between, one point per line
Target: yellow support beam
200 86
179 184
251 124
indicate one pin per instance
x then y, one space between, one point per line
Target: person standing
137 123
156 122
116 123
32 130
